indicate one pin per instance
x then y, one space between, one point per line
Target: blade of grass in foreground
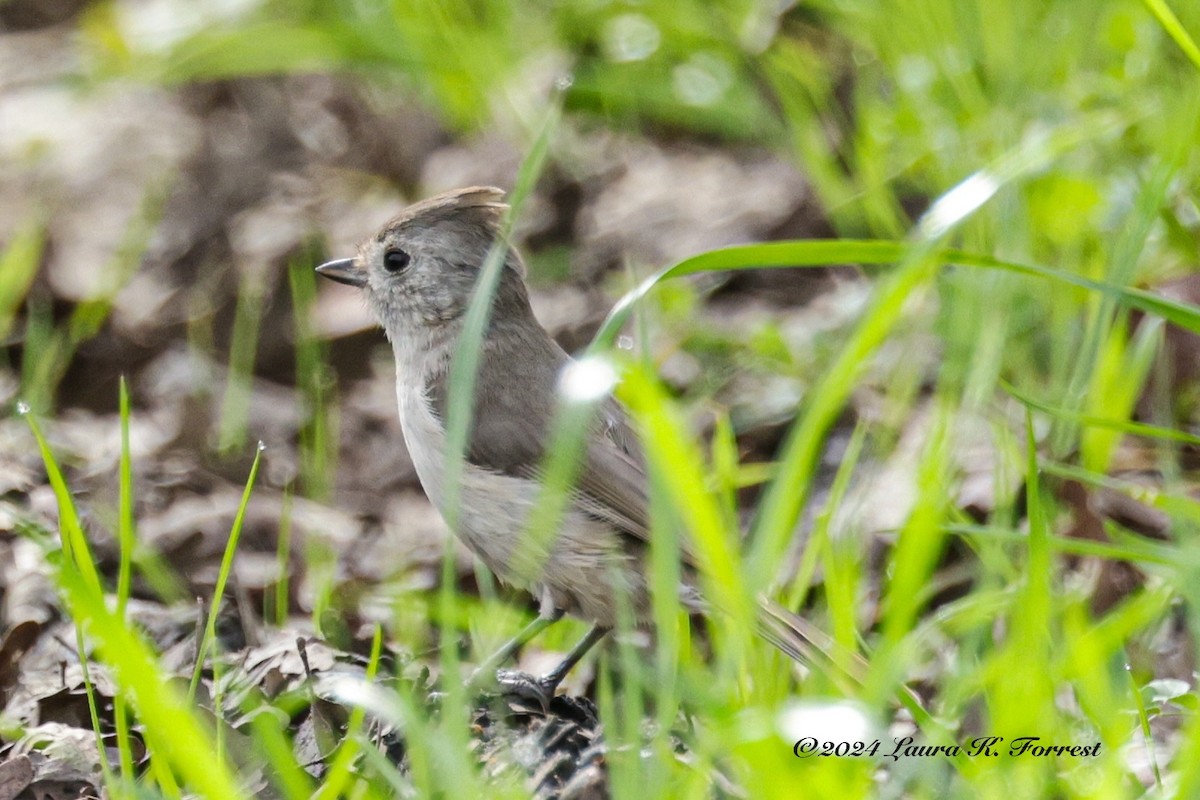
273 746
126 538
1174 28
235 533
786 494
1175 505
582 388
839 556
283 551
434 767
1186 764
75 551
463 374
1108 317
126 535
919 262
341 771
1118 381
171 727
1133 549
877 252
913 560
74 543
673 456
1122 425
465 362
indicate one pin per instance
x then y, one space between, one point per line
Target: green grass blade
825 252
1116 384
678 469
582 389
18 265
172 729
1135 549
1174 28
318 434
340 774
79 579
465 362
273 746
920 542
126 530
235 533
93 708
1174 505
1121 425
269 48
840 556
283 552
127 541
243 348
1120 269
786 494
464 366
74 543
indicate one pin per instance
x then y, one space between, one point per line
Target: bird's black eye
395 260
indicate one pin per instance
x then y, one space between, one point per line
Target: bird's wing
511 428
612 475
612 482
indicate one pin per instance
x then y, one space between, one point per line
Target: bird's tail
807 645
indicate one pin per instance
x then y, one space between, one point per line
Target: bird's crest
487 199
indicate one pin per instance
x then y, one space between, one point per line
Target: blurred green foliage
882 104
1055 133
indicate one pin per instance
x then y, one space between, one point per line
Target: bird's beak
343 271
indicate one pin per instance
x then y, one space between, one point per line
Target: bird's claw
524 686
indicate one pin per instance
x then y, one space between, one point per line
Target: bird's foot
526 687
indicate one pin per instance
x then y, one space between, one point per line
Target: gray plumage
418 273
598 552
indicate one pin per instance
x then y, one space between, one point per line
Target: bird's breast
492 508
580 567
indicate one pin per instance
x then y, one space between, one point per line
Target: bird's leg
554 677
506 651
542 689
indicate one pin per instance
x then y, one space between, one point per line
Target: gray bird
419 272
